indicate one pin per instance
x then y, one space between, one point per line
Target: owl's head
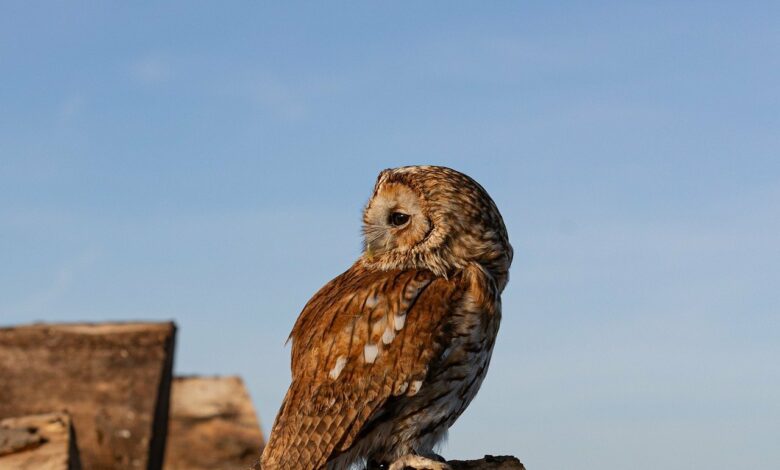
435 218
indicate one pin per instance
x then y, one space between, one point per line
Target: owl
386 356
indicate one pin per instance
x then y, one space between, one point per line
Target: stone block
212 425
113 379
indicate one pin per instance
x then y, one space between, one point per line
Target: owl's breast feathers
369 338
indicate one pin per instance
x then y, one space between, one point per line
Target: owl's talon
417 462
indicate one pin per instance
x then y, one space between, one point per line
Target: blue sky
208 163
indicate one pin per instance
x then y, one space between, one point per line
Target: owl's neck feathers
445 257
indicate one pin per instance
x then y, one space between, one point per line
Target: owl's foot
417 462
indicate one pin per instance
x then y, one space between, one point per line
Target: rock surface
38 442
212 425
17 439
113 379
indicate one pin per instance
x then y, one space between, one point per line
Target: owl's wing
363 338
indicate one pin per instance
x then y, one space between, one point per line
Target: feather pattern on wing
361 340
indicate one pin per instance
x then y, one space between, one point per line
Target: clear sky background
207 162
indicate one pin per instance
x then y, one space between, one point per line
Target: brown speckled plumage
386 356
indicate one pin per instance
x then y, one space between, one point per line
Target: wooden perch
489 462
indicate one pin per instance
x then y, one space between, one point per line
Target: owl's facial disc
394 220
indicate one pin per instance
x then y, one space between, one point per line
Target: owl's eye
398 218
